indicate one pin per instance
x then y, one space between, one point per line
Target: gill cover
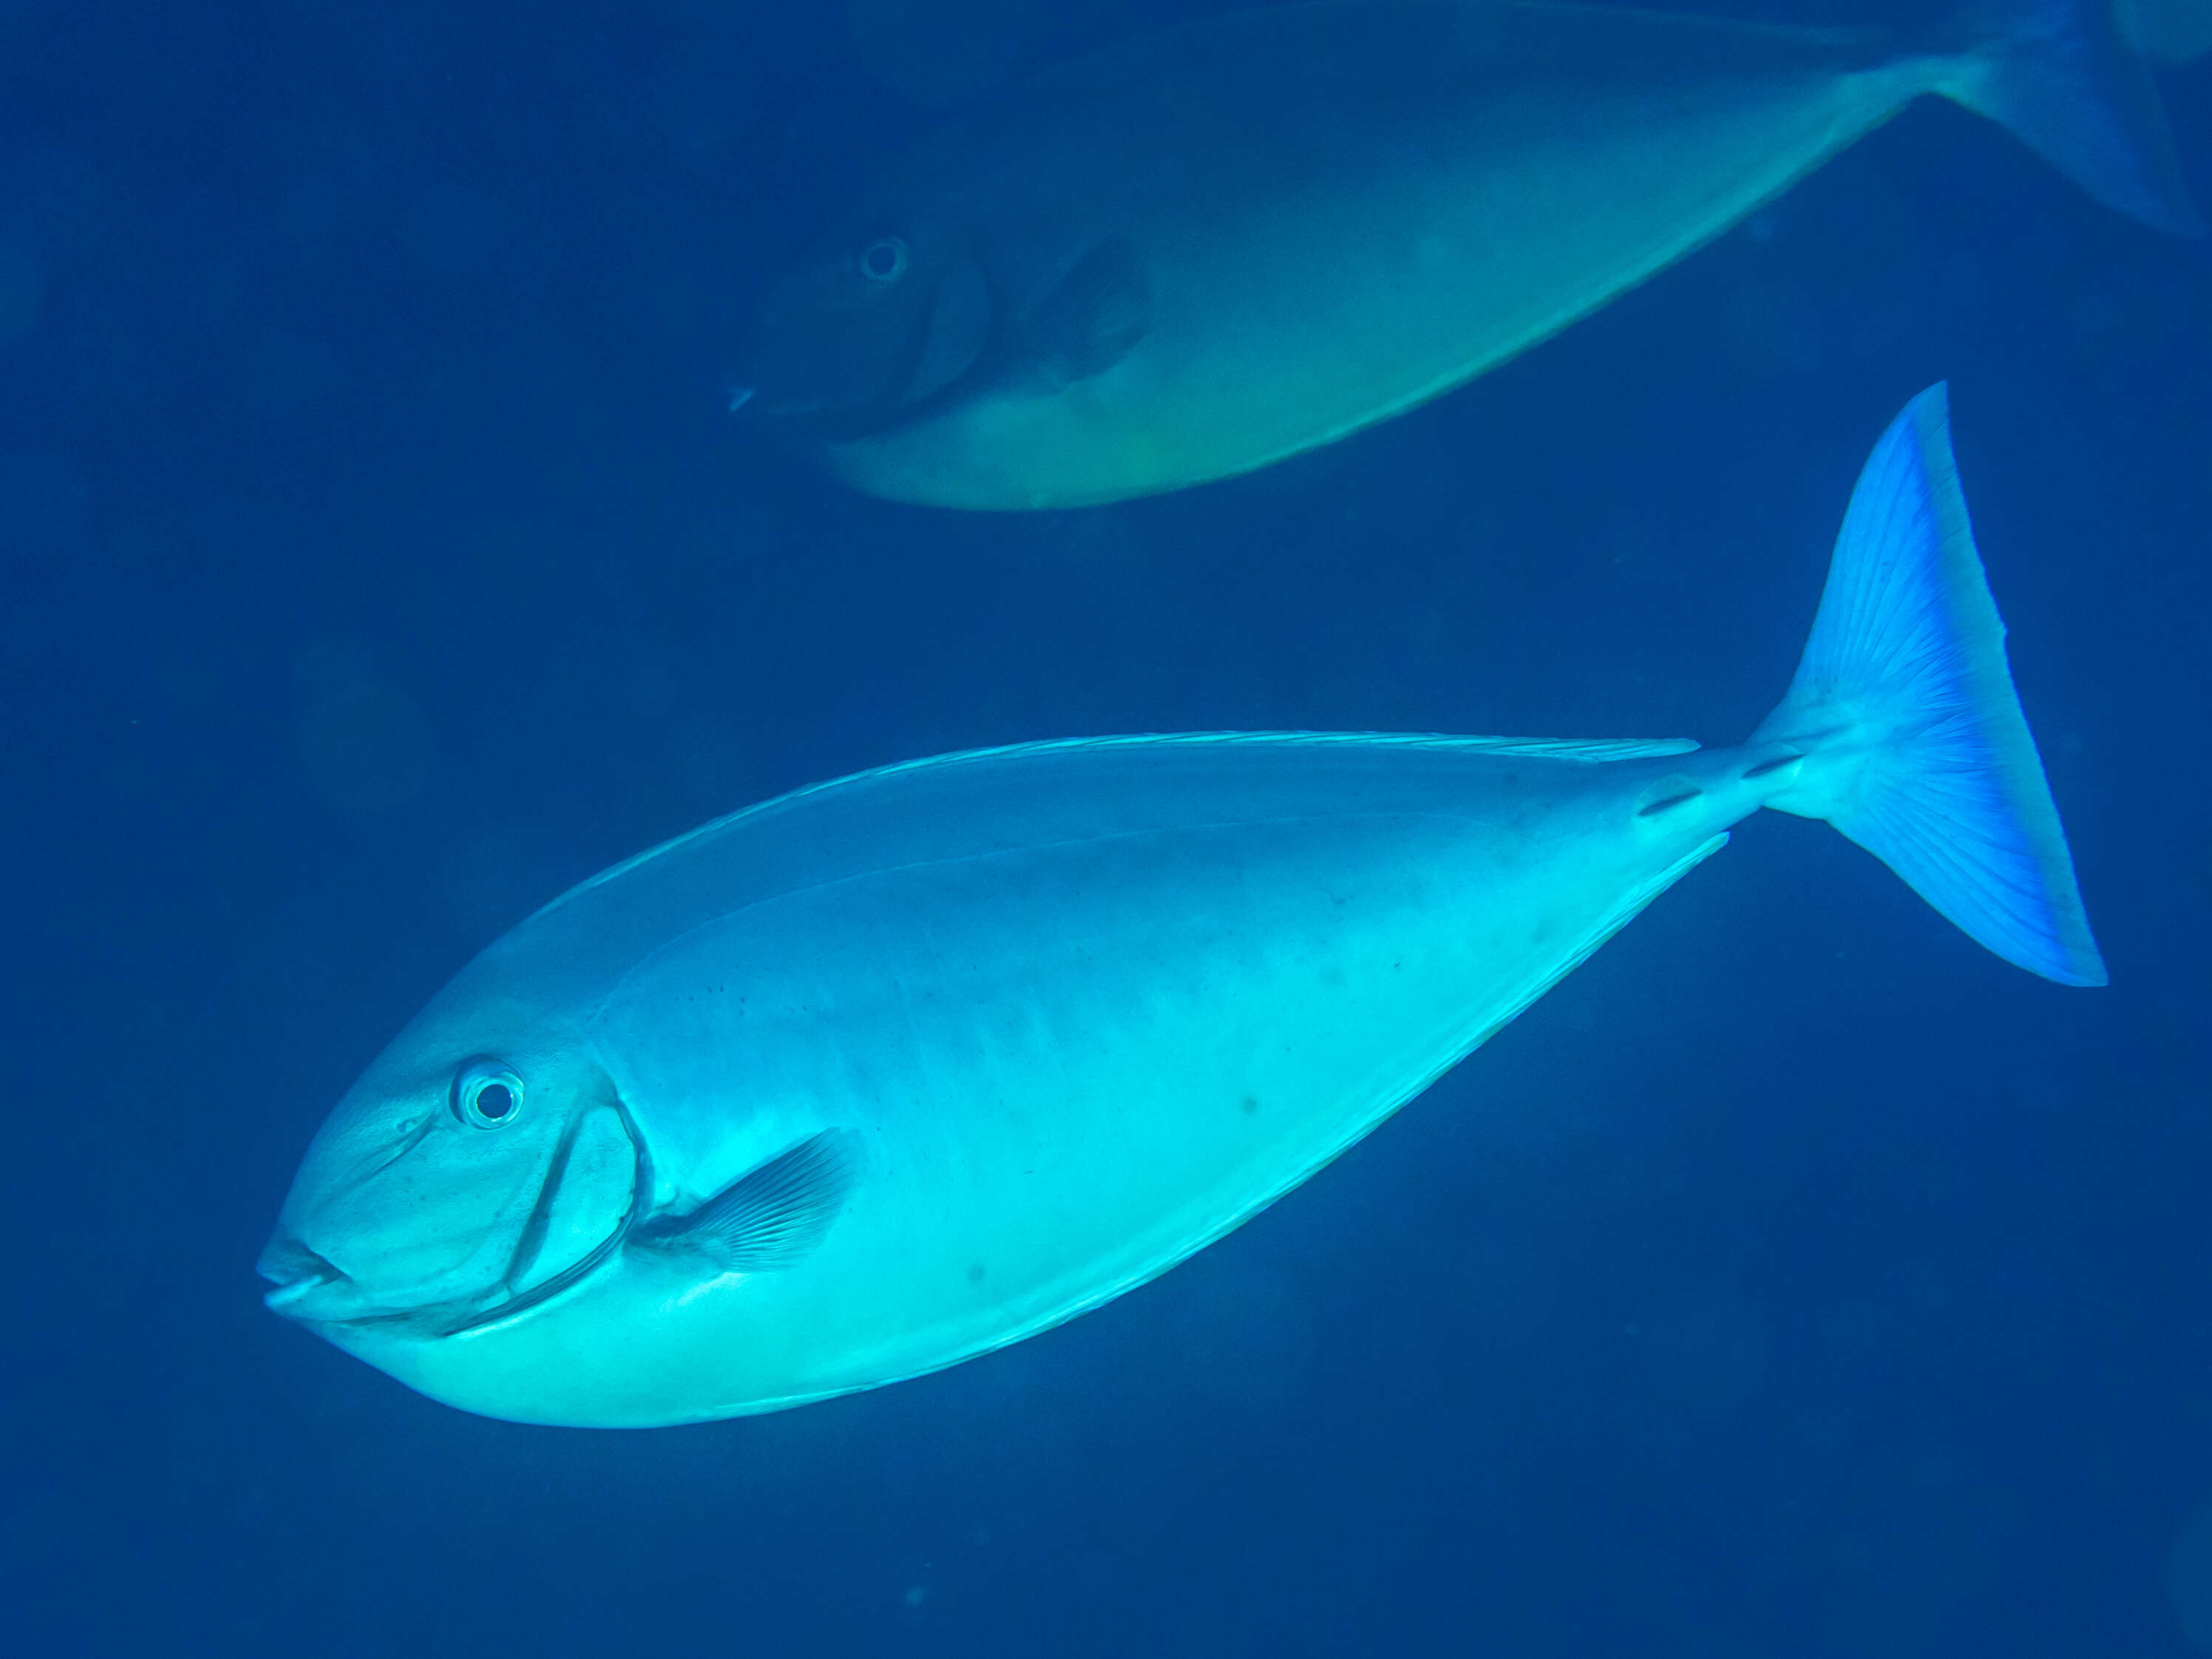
599 1170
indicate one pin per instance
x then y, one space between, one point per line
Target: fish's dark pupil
494 1100
883 260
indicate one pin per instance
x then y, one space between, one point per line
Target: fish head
884 319
482 1164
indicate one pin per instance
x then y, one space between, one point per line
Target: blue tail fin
1904 708
2062 78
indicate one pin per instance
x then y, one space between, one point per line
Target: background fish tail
1903 708
2060 77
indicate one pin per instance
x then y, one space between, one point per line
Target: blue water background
1796 1280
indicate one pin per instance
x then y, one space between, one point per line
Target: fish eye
487 1096
883 260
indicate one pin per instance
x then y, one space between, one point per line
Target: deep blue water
1796 1280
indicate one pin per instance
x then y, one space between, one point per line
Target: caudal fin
2061 77
1914 742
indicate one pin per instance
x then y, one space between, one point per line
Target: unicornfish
1219 245
899 1069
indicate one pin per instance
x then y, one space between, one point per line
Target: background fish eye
884 260
486 1095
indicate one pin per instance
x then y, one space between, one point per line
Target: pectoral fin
1092 317
773 1217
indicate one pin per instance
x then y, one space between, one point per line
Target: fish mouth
308 1287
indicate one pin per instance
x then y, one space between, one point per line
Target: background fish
1217 246
900 1069
2172 31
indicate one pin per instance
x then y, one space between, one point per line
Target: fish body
1081 1008
1216 247
898 1070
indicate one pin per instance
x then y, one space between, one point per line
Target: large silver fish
1221 244
898 1070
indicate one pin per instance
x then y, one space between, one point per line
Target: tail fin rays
1904 705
